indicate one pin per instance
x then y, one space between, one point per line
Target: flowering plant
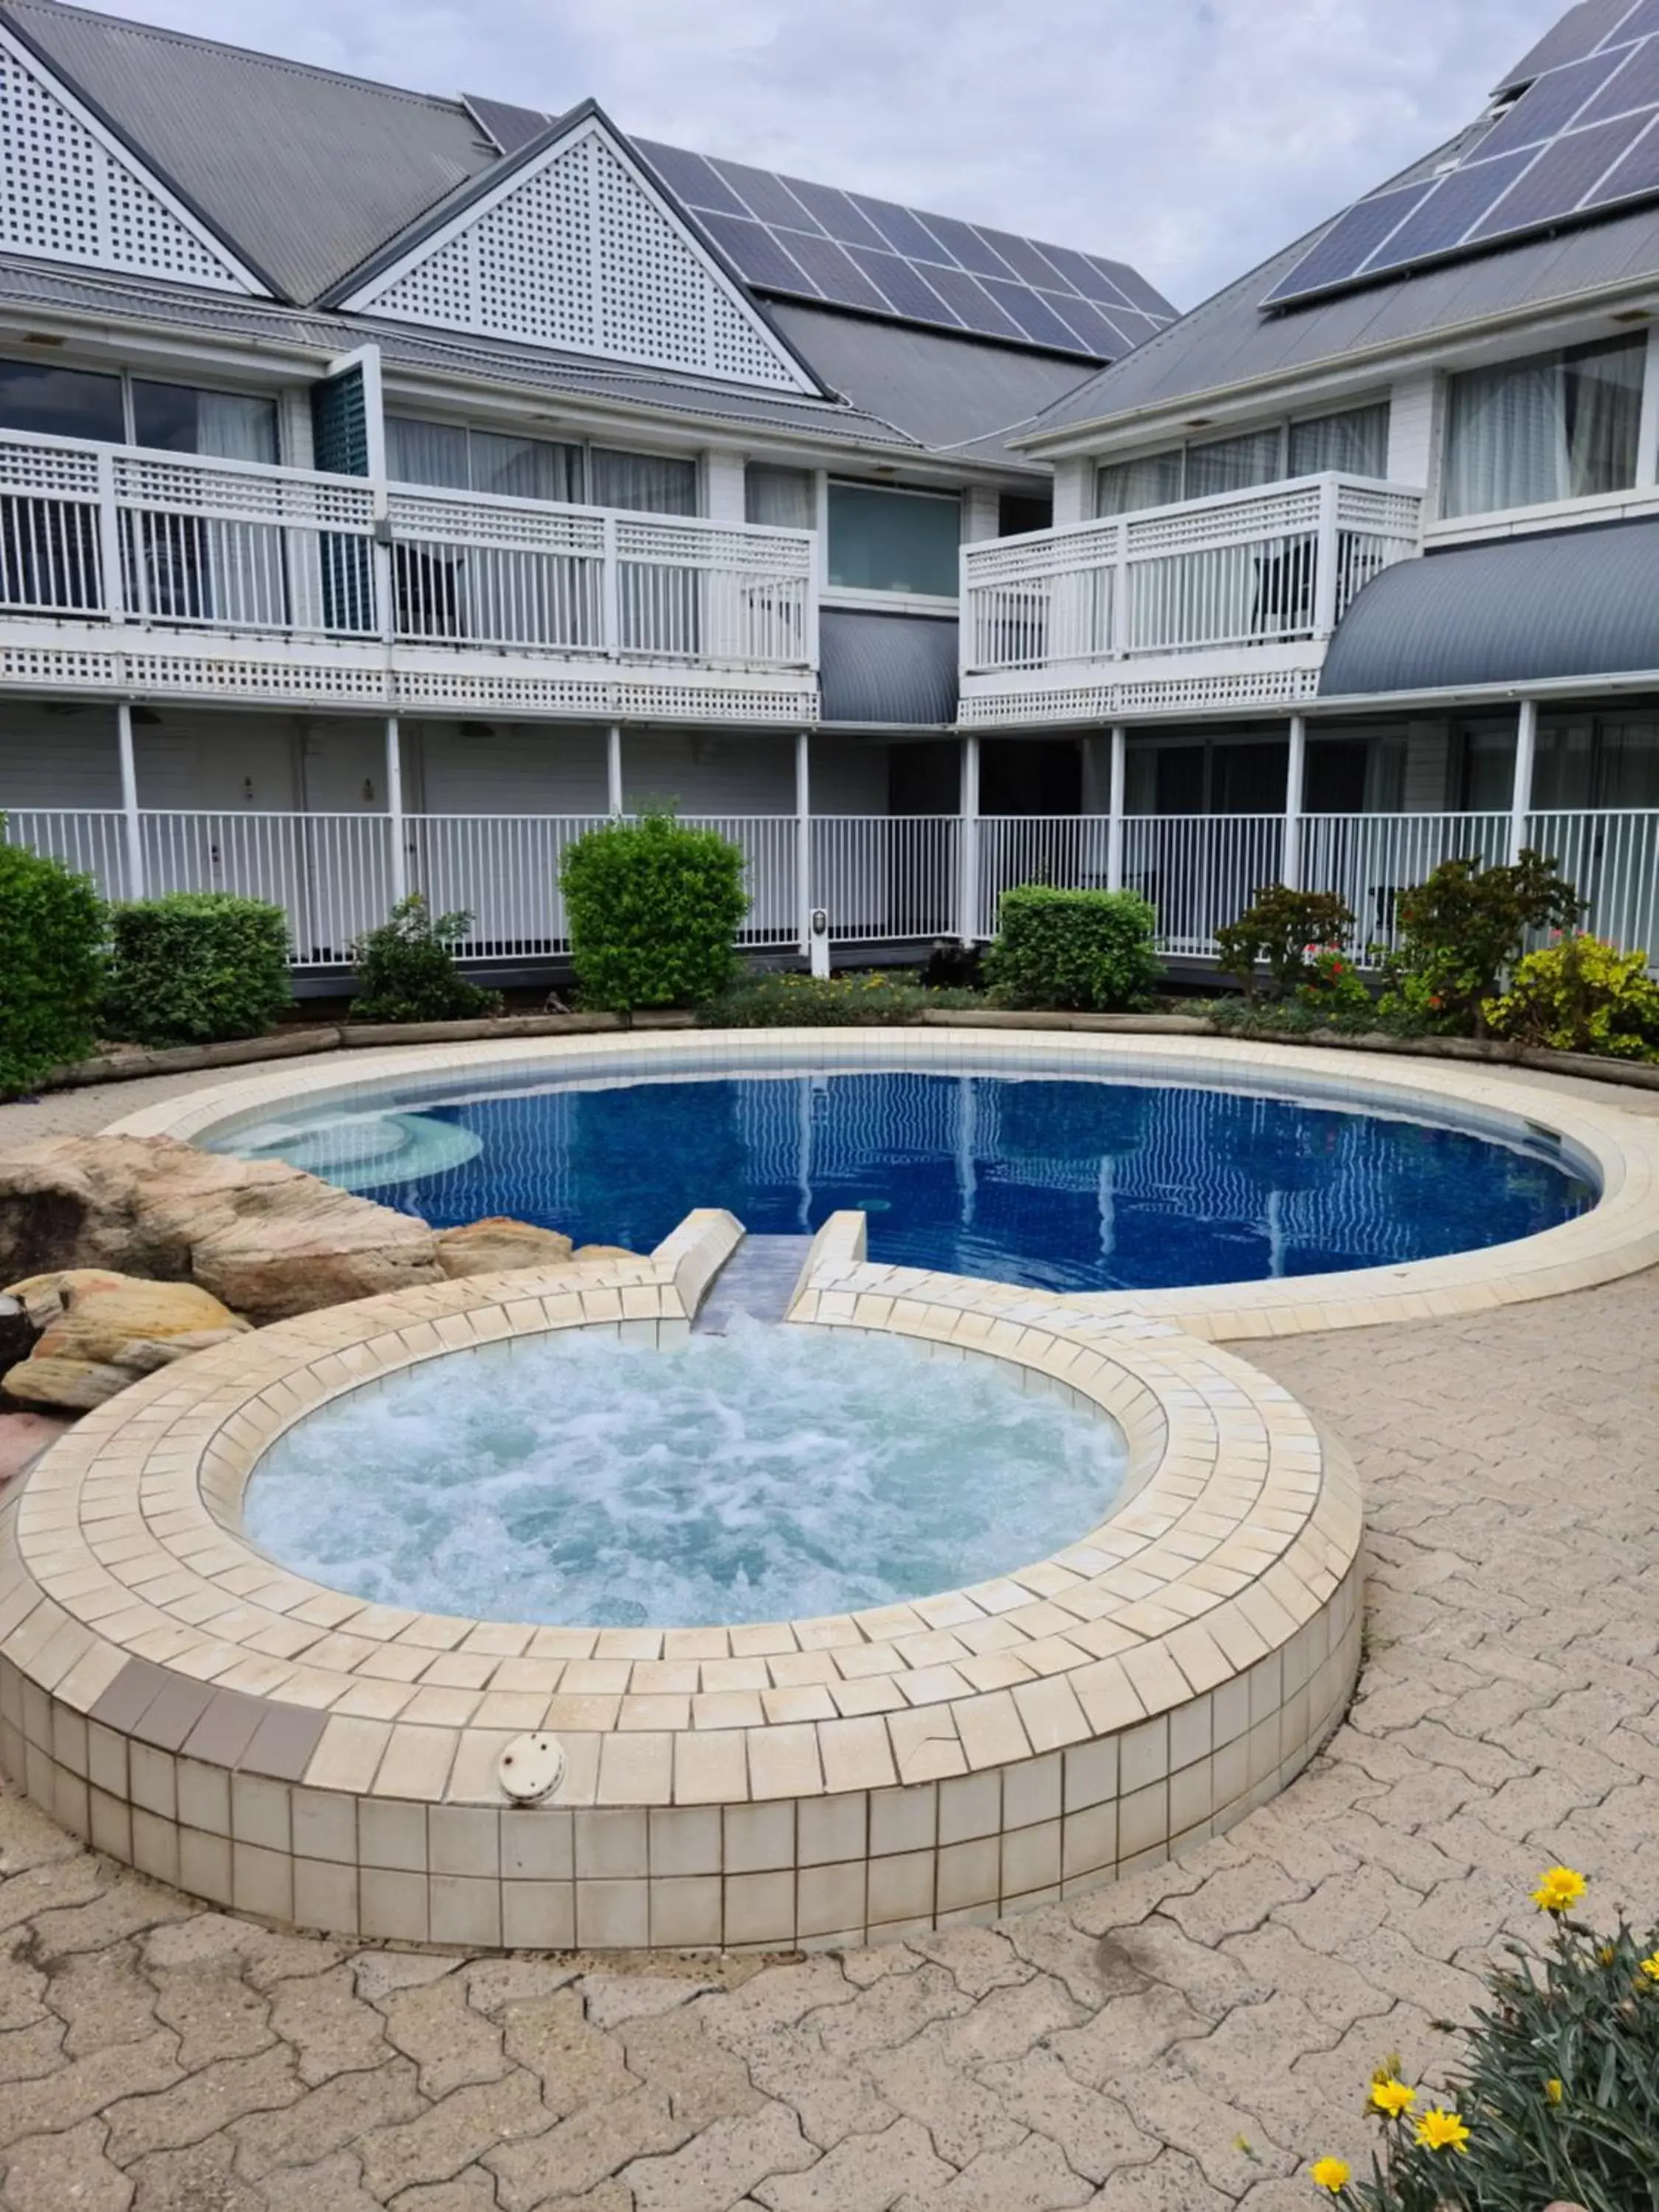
1557 2099
1331 982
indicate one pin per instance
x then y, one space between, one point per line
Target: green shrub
1074 949
1558 2098
1464 928
1582 994
1287 930
653 906
53 925
1331 984
406 968
196 968
794 1001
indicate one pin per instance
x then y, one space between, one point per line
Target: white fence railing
881 879
179 541
1267 567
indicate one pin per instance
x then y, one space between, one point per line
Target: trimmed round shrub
1582 994
1088 950
53 928
196 967
406 968
654 908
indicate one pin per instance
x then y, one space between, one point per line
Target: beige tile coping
1619 1151
191 1706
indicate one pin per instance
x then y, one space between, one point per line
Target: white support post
609 590
1118 793
110 577
967 888
394 811
1526 751
135 834
814 943
1296 768
613 772
1325 559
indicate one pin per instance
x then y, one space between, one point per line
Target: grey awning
1527 610
887 672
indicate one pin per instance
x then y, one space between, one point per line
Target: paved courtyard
1179 2042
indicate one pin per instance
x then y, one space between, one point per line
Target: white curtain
525 468
1355 443
783 499
1235 463
1127 487
1562 426
233 427
418 452
646 484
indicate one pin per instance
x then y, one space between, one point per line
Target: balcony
171 576
1220 602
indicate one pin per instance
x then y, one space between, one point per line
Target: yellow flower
1330 2173
1560 1890
1650 1967
1392 2097
1553 2090
1441 2131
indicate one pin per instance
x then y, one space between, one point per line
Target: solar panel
758 255
765 195
506 126
830 269
912 295
1577 141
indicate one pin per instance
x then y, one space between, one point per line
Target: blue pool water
773 1473
1056 1182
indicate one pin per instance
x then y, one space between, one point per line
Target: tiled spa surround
1617 1151
188 1706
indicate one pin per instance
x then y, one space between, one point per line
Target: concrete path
1181 2042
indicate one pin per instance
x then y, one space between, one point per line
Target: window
422 452
180 419
61 402
649 483
1355 442
783 499
883 540
1557 426
1597 761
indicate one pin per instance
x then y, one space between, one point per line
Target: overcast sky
1192 137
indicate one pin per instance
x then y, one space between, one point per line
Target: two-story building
1356 567
391 486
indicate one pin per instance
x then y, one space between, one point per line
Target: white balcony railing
881 880
1274 565
160 541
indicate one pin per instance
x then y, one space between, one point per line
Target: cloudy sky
1192 137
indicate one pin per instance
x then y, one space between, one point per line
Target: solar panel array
1581 140
813 242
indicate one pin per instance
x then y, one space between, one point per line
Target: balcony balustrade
1217 601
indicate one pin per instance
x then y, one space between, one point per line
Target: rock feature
485 1248
266 1239
100 1331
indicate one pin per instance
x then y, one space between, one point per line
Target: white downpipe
1296 770
1526 752
1116 796
135 835
814 943
967 888
613 772
394 811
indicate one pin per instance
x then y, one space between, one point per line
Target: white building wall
1074 498
709 771
848 777
1413 428
1428 768
66 759
523 768
981 512
722 485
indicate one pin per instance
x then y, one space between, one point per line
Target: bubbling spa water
776 1473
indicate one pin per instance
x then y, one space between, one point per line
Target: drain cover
531 1766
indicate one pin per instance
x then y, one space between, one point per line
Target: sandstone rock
266 1239
101 1315
73 1385
143 1355
43 1297
483 1247
585 1252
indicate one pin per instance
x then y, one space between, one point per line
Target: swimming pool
1053 1181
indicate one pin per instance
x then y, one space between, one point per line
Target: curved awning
1526 609
887 672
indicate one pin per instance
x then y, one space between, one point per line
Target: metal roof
1524 610
479 360
309 171
947 393
887 672
1229 341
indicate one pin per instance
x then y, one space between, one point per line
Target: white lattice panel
467 520
578 251
238 495
1163 695
68 192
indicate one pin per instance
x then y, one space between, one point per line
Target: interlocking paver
1174 2042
